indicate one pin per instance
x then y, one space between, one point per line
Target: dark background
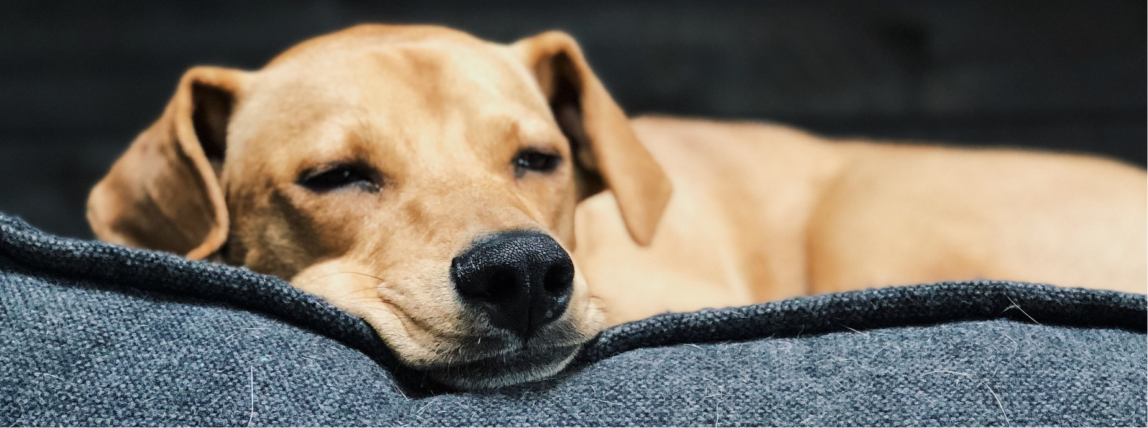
79 79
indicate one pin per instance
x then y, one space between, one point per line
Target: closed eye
341 176
534 160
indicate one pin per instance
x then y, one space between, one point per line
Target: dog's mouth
501 359
525 364
476 355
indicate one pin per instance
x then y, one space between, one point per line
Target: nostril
559 279
501 284
487 284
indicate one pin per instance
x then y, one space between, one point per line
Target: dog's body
433 184
764 212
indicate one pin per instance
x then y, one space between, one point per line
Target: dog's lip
475 347
510 367
484 353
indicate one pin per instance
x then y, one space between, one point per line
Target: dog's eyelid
545 149
531 159
339 175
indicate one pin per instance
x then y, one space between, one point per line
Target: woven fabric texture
94 334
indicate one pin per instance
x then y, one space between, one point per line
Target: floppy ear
601 140
164 192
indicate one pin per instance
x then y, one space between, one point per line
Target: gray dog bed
93 334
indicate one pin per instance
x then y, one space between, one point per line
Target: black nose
521 279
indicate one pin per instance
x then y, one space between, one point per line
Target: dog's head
418 177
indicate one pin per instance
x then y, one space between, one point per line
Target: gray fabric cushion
93 334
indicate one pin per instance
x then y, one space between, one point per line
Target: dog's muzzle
521 280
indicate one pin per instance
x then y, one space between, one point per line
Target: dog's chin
520 366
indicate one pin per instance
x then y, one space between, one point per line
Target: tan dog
433 183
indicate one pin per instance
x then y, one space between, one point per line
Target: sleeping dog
488 208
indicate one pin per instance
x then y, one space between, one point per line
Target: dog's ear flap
600 136
164 192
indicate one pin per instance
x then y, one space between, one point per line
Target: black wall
79 79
